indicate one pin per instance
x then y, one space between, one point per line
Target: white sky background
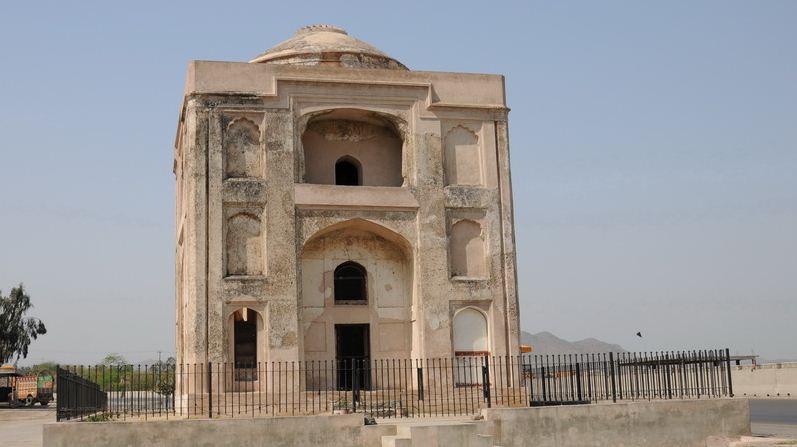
654 152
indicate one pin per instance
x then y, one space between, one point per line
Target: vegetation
37 368
16 330
114 373
341 404
113 359
100 417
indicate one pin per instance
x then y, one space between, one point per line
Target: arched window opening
347 172
245 335
470 346
350 284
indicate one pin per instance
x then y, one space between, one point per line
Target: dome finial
321 28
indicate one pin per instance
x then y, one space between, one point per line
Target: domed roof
327 45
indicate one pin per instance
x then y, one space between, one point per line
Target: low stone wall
639 424
684 423
768 380
310 431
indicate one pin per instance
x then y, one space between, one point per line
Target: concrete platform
639 424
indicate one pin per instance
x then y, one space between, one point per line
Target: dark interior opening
245 333
347 173
350 283
353 352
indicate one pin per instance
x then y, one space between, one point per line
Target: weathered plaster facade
263 222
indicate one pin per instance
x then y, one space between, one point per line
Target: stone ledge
309 196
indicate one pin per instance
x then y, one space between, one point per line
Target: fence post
728 367
667 374
611 372
210 390
578 382
355 394
486 381
57 386
420 381
528 377
699 372
174 389
544 387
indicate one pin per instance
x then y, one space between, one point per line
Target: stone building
333 204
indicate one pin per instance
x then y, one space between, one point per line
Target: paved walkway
22 427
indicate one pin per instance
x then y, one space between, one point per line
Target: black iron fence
388 388
581 378
78 396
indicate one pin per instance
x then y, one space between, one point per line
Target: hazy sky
654 154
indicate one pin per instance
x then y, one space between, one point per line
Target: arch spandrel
387 233
396 119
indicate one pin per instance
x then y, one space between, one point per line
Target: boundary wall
767 380
676 423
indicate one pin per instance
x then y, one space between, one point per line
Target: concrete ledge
310 196
689 423
332 431
443 89
681 423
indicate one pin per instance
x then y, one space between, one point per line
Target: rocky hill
547 343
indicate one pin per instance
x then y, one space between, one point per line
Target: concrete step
445 434
478 440
396 441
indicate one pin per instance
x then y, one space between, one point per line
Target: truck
18 389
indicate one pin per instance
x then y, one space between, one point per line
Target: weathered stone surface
682 423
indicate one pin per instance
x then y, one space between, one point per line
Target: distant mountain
547 343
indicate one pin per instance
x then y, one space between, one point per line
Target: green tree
114 359
37 368
16 330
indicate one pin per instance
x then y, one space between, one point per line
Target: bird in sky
639 334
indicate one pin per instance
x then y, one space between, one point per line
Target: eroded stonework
342 210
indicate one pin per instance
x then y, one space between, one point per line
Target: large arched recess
386 256
376 140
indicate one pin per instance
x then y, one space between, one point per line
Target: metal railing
577 378
78 396
392 388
